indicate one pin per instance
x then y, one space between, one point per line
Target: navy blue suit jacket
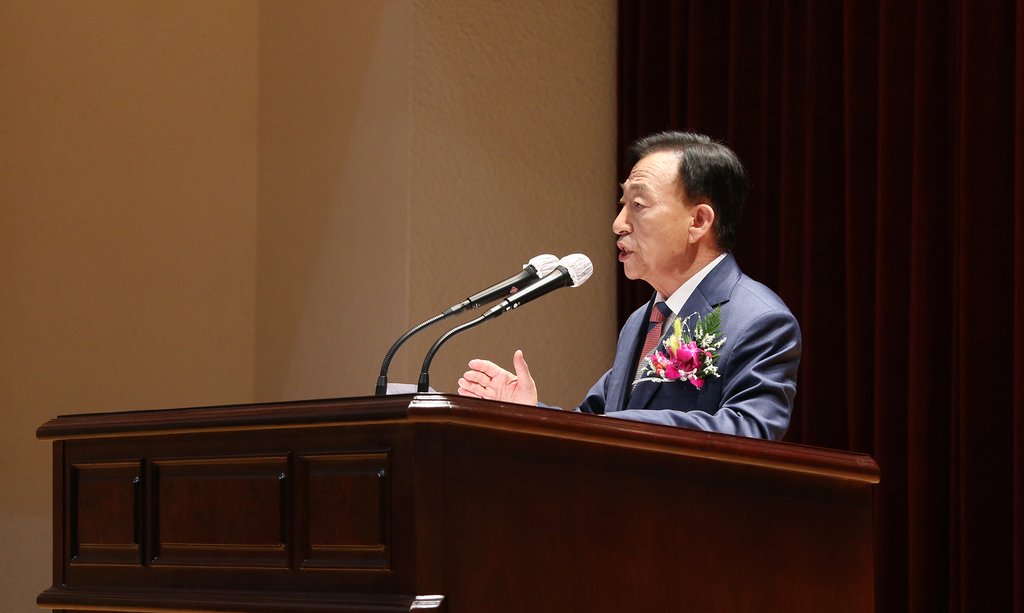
758 365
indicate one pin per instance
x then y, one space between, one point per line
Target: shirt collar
681 295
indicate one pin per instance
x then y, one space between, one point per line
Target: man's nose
621 225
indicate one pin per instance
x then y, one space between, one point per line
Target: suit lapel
624 367
713 291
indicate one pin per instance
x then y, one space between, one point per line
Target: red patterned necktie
654 329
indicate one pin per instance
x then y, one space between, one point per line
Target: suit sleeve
758 384
594 402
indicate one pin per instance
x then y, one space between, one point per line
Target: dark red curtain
885 145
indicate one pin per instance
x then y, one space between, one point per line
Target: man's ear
702 222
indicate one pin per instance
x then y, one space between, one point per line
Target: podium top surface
443 409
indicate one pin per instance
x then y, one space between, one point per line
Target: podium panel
440 502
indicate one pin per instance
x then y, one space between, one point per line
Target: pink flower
697 383
688 356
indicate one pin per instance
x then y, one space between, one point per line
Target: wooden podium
440 502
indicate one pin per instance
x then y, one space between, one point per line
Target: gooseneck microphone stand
382 379
424 383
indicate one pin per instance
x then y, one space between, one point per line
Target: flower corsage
685 355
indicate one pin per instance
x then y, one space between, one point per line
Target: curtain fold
885 145
1018 324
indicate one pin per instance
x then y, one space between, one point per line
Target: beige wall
430 151
514 142
335 118
127 229
218 202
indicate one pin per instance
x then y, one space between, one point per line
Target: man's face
653 224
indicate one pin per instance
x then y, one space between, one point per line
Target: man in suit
680 206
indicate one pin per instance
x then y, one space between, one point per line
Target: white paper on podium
405 388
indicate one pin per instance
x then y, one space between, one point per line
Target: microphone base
424 384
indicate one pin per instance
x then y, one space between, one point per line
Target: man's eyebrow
639 186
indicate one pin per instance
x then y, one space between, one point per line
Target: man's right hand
485 379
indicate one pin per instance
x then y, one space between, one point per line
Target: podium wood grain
375 504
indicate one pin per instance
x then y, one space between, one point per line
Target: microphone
538 266
572 270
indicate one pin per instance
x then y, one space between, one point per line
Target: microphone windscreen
543 264
579 266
